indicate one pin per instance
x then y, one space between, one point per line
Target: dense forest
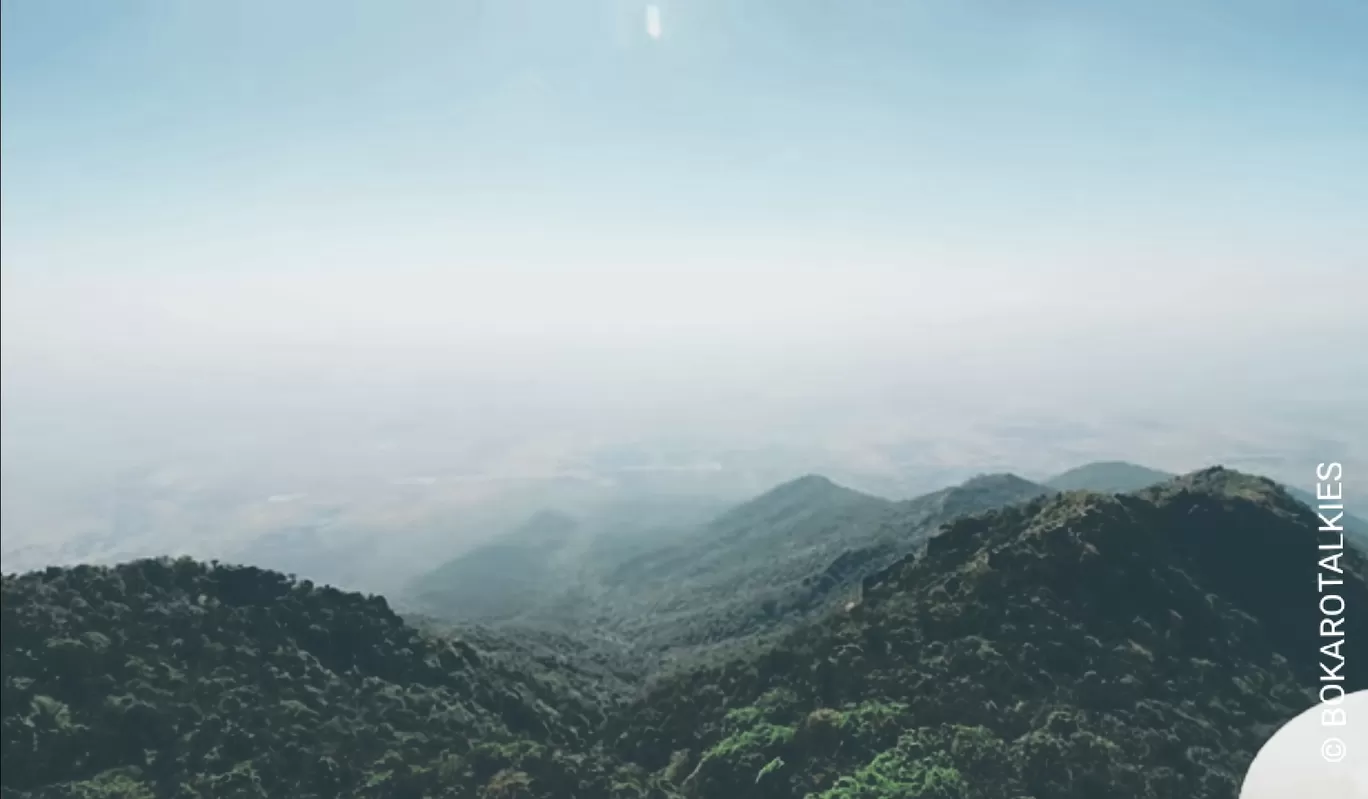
181 679
1081 645
1065 646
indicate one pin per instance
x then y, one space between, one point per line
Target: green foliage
506 577
1121 477
893 775
173 678
1071 646
736 581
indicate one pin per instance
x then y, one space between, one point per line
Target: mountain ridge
1072 645
1126 477
762 565
1075 645
1108 476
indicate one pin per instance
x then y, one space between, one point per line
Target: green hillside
177 679
1076 646
1109 477
786 555
510 575
759 567
1070 646
1114 477
542 562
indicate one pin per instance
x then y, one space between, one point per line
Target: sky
309 249
589 203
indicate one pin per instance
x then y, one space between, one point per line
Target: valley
995 638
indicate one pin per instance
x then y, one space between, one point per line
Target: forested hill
178 679
755 570
1071 647
1109 477
1122 477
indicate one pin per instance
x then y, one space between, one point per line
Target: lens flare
653 21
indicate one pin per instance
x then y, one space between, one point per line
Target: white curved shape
653 28
1313 757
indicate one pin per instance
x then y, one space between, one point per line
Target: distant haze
255 251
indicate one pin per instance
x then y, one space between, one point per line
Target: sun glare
653 21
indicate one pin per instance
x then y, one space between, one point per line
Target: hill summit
179 679
1112 477
1072 645
1078 645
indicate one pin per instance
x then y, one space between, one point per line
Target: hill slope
780 558
758 568
1118 477
1109 477
1072 647
509 575
536 564
177 679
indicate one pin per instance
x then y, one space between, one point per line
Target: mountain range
1123 477
768 563
799 549
999 638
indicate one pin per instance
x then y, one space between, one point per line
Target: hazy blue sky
254 248
211 189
